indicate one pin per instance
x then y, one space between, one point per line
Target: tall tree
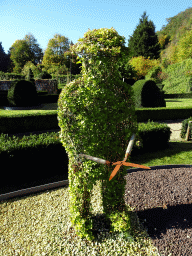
35 49
54 54
144 41
58 56
20 55
4 59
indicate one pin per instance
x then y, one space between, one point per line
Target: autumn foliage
142 65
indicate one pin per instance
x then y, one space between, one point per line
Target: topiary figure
96 115
148 95
22 93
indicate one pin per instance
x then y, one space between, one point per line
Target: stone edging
28 191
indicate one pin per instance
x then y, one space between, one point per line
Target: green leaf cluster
96 115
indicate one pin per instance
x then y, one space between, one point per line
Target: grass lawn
173 103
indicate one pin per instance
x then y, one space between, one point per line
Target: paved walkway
175 126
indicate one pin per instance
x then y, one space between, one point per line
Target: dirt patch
163 201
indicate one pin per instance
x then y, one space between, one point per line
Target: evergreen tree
144 41
4 59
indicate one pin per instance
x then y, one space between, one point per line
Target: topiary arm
119 163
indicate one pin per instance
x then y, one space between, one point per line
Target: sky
73 18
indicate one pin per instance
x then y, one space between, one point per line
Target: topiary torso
96 115
22 93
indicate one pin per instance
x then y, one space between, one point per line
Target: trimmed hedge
184 128
148 95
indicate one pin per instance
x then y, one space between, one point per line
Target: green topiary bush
148 95
97 117
22 93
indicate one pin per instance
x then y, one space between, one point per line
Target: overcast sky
73 18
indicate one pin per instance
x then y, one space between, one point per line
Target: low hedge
178 96
156 114
152 135
185 126
40 159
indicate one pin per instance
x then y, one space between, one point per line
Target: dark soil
162 199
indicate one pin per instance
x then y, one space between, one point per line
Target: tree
144 41
35 49
20 55
29 65
184 47
54 54
142 65
71 61
4 59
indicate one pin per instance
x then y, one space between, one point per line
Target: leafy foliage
144 42
34 48
184 48
169 36
54 54
30 65
96 115
142 66
20 54
44 75
153 74
177 77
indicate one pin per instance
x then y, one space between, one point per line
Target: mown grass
173 103
178 152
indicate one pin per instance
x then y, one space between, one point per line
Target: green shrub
148 95
177 80
153 136
189 87
30 76
22 93
152 75
44 75
185 126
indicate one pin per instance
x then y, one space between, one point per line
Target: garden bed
162 198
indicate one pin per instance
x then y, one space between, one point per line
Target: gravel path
163 201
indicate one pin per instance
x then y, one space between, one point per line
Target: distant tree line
58 58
